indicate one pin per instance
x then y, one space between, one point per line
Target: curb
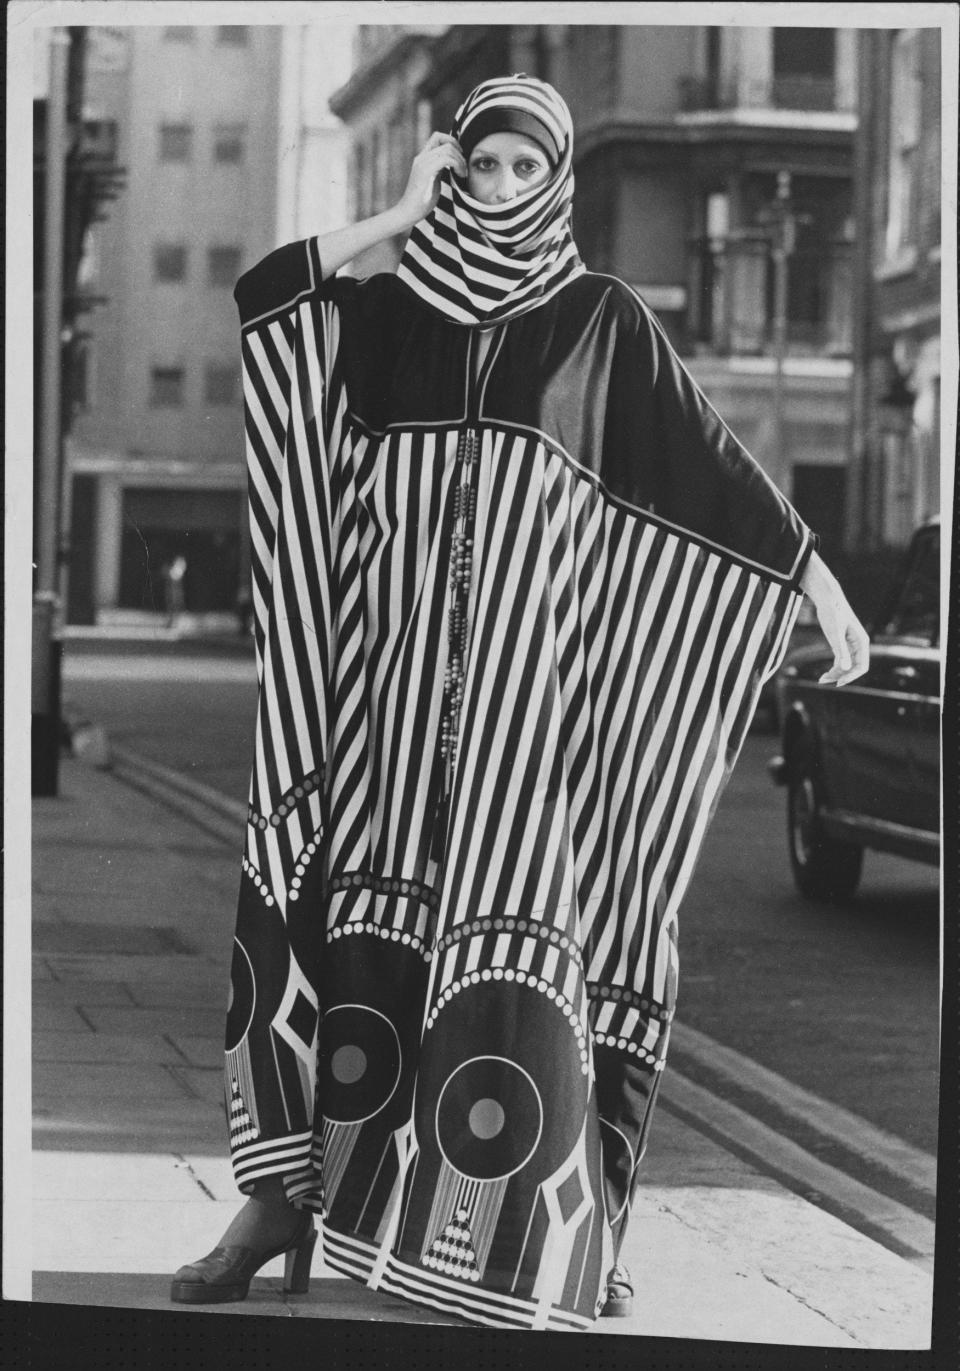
218 815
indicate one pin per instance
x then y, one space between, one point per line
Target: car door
889 717
872 772
913 630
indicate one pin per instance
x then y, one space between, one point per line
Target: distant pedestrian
244 616
174 573
517 588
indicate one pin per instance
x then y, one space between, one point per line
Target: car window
916 609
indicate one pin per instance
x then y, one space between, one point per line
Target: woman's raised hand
423 190
423 185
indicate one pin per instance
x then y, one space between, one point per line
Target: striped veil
477 263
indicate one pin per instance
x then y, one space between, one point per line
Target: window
803 68
170 262
78 376
179 33
223 266
904 140
220 384
229 142
233 35
916 613
803 52
167 387
176 142
100 138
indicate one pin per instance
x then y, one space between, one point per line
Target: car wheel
824 868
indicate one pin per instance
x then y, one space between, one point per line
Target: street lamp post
784 242
47 609
781 223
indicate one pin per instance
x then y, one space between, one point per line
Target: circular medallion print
358 1066
243 997
489 1118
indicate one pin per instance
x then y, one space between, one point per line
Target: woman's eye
482 164
529 168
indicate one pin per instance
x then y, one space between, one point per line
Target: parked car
861 762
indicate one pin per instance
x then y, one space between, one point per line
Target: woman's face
503 166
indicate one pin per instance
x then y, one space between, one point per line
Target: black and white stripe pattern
613 669
478 263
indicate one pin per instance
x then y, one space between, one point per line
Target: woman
517 588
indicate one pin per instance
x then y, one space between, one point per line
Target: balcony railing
810 93
732 298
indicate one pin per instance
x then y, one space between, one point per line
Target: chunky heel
296 1273
224 1274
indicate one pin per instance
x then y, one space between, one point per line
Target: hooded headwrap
479 263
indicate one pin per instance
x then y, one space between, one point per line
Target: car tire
824 868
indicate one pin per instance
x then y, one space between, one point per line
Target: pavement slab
59 1018
819 1261
102 1083
206 1052
175 1019
50 992
105 1048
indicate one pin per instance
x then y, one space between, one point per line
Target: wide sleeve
704 479
288 346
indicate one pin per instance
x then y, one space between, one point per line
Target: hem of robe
364 1262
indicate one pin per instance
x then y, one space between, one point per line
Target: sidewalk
133 920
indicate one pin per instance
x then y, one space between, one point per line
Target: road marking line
774 1153
222 805
863 1139
226 821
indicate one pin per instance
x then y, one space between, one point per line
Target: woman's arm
418 199
842 629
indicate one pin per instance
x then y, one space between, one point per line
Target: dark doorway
201 527
80 608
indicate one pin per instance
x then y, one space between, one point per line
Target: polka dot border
393 935
529 978
622 995
261 885
288 803
530 928
303 861
386 885
626 1045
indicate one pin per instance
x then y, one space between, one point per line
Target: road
840 1001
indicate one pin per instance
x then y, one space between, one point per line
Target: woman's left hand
842 629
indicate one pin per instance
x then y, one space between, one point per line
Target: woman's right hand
422 192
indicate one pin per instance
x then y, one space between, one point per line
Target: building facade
313 172
156 452
714 174
388 120
895 466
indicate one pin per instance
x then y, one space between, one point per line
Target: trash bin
45 729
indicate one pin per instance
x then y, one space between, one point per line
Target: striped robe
510 631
